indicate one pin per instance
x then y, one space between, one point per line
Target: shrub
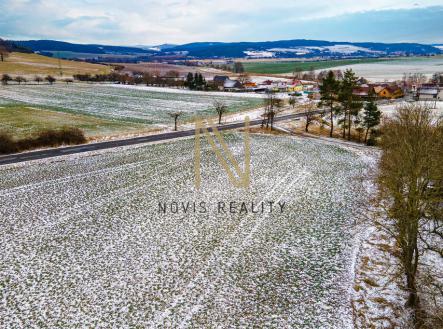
50 79
51 137
48 137
7 144
5 79
373 137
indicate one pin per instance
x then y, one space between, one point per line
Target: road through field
49 153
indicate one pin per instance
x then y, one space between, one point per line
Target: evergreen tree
196 80
199 81
189 81
351 104
238 67
329 91
371 117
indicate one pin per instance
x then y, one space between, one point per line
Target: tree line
340 102
6 78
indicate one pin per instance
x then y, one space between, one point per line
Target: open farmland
280 67
164 69
24 121
123 106
395 69
33 64
83 243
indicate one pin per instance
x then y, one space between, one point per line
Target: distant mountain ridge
52 45
299 48
304 48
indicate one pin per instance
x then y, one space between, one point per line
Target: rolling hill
303 49
34 64
53 46
299 48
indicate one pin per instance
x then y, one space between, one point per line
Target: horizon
181 22
224 42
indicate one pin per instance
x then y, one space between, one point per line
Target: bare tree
292 101
273 106
244 78
309 111
411 185
172 74
221 108
4 52
5 79
148 79
38 79
238 67
175 116
20 79
50 79
297 74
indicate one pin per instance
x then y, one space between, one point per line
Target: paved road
50 153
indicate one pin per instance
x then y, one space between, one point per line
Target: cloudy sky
151 22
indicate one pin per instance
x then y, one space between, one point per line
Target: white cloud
176 21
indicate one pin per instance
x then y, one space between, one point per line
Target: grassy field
85 246
104 109
22 121
33 64
279 67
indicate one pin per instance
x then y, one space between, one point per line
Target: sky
153 22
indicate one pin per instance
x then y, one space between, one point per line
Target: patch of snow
259 54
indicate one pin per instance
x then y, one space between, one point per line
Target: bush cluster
47 137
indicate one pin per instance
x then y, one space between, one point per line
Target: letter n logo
242 179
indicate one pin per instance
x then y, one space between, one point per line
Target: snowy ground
389 109
149 106
83 243
189 92
379 296
394 70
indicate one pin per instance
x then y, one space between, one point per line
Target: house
232 85
250 85
363 91
389 91
219 81
296 86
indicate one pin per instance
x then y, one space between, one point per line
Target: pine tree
371 117
189 81
238 67
351 104
196 80
329 91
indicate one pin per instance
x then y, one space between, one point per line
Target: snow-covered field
394 70
139 104
84 245
389 109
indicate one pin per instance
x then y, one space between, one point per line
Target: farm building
219 81
430 92
232 85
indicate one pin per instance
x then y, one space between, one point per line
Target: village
407 89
